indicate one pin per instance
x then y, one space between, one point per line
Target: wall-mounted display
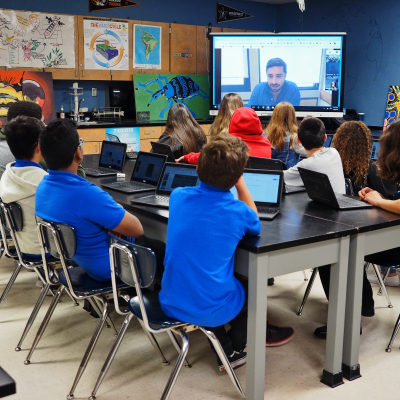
147 46
39 40
106 44
29 86
158 93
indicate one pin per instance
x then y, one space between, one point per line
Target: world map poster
147 47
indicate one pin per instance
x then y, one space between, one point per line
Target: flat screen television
304 69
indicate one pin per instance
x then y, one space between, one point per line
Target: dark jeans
367 295
236 337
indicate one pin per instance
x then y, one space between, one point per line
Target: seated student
205 225
182 132
26 108
327 160
22 177
282 134
65 197
246 125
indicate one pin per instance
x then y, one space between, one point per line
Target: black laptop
328 141
319 188
265 188
145 175
111 161
272 165
165 149
173 175
375 150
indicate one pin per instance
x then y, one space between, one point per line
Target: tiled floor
292 371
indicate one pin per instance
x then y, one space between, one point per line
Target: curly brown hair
353 141
389 155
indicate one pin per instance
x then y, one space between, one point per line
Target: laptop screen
328 141
264 188
112 155
177 175
375 150
148 168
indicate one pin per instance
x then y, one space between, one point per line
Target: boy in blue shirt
205 225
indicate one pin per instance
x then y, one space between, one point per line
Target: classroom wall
372 56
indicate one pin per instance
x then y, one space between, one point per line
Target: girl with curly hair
282 134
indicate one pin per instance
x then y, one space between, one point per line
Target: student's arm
244 194
129 226
375 198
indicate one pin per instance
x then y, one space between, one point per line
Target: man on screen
277 88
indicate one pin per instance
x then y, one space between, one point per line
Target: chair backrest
349 186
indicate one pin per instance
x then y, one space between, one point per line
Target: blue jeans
288 156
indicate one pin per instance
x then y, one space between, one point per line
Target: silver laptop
319 188
173 176
145 175
375 150
265 188
111 161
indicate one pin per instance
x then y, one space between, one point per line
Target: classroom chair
60 241
136 266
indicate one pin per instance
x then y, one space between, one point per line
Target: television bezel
268 113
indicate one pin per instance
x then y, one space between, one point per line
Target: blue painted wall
372 56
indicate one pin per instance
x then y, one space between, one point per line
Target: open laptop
145 175
265 188
375 150
328 141
160 148
172 176
319 188
273 165
111 161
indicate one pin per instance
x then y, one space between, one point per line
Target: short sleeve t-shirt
205 225
262 95
67 198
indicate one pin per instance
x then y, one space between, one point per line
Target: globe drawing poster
106 44
147 46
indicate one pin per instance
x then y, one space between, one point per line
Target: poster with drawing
147 46
106 44
32 39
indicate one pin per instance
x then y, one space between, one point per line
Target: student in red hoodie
246 125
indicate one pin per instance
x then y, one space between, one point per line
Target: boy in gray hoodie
22 177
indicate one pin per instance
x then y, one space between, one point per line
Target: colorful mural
393 106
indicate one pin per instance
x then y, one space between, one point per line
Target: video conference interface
112 155
313 71
178 177
262 187
148 168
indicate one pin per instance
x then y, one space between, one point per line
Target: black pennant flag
98 5
226 13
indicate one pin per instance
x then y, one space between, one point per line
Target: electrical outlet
94 92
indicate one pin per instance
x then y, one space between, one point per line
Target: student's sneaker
236 359
277 336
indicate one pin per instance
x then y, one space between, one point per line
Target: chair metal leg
111 355
384 281
33 315
44 324
10 283
72 297
90 348
177 367
178 347
154 342
394 334
382 285
221 354
308 290
109 322
305 276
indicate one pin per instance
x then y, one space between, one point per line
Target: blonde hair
229 104
283 120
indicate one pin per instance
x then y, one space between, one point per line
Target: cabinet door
165 66
92 148
203 49
206 128
183 49
150 132
92 135
233 30
145 144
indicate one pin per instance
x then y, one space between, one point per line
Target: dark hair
222 161
311 133
184 129
276 62
58 143
22 134
26 108
389 154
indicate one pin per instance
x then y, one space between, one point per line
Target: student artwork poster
106 44
130 136
32 39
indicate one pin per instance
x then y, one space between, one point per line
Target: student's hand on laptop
363 192
179 159
244 194
373 197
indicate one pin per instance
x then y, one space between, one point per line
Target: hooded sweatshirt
19 185
6 156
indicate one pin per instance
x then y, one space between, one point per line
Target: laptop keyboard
101 170
130 185
132 154
264 210
291 189
345 204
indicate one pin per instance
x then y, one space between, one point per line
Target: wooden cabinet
93 139
150 132
206 128
92 148
203 49
145 144
183 49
